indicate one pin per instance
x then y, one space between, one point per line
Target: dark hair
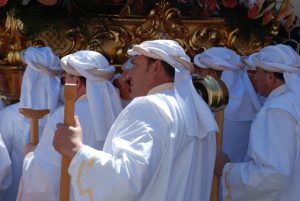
279 76
167 67
83 80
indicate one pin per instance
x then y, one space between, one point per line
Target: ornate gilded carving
113 36
12 41
62 42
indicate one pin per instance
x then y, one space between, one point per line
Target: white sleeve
272 152
5 167
135 151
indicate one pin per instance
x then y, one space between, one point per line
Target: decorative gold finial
16 42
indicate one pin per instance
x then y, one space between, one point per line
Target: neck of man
80 92
276 84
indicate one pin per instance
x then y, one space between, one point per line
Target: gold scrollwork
113 36
62 42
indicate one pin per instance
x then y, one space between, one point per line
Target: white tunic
41 168
273 154
5 168
147 156
242 107
12 129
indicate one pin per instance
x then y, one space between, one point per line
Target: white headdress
219 58
241 91
197 116
283 59
104 101
41 82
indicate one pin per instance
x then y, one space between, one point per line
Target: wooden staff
219 115
34 115
70 97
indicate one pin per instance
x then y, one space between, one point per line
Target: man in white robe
39 90
97 101
225 64
5 168
271 172
162 145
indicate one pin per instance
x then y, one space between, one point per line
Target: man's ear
79 83
271 77
156 67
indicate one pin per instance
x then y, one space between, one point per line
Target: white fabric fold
102 96
241 93
40 89
219 58
195 111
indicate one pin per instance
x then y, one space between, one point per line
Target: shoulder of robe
59 112
11 114
286 102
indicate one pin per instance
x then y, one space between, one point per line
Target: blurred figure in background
40 90
225 64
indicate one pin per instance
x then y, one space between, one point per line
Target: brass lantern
213 91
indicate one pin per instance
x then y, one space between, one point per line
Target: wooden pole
70 98
214 195
34 115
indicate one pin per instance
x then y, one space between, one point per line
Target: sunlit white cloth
272 157
274 149
103 97
152 152
41 168
40 90
283 59
195 111
243 102
12 126
5 169
41 82
147 156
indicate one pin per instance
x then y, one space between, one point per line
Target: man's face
261 80
138 76
122 83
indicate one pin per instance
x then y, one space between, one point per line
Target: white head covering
283 59
219 58
248 61
244 102
41 82
197 116
104 101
